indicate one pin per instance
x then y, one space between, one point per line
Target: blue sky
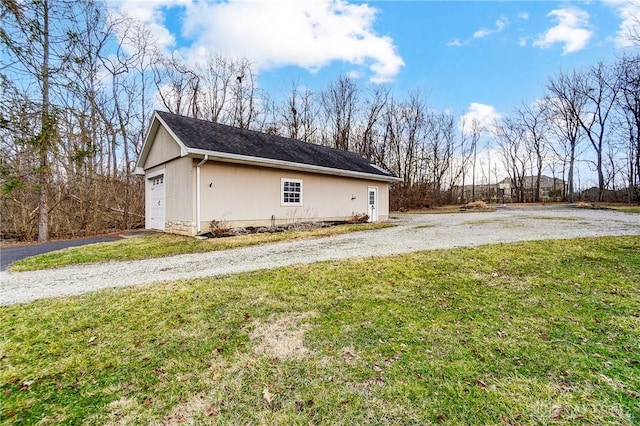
469 57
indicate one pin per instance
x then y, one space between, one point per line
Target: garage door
157 202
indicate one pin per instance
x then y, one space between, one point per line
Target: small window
158 180
291 192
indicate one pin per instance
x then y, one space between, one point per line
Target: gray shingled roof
208 136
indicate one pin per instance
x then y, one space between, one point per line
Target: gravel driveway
413 233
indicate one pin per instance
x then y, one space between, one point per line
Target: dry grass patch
477 205
186 411
282 337
121 411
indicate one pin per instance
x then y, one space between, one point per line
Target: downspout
198 226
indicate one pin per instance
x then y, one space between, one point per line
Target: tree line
79 85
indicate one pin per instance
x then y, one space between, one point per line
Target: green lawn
160 245
627 209
531 333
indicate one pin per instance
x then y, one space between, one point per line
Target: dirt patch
282 337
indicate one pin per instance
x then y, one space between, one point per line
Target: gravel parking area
413 233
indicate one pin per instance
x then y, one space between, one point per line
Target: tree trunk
46 135
570 174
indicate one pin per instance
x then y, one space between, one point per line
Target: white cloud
148 12
482 115
523 15
278 33
523 41
629 31
501 24
455 43
572 31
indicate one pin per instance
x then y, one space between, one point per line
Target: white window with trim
290 192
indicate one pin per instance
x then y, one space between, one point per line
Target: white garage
198 171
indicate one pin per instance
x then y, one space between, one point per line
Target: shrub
219 228
359 218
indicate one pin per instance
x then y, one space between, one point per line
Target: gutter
198 202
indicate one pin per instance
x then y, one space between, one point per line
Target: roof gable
200 137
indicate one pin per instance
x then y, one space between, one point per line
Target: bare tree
628 71
339 106
35 40
373 112
178 85
510 137
217 74
566 103
130 71
533 118
438 151
471 131
465 155
598 85
243 109
299 113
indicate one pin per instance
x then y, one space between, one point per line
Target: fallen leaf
210 411
348 354
557 412
147 402
507 420
377 368
482 384
92 339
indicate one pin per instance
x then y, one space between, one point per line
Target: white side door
156 202
373 204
